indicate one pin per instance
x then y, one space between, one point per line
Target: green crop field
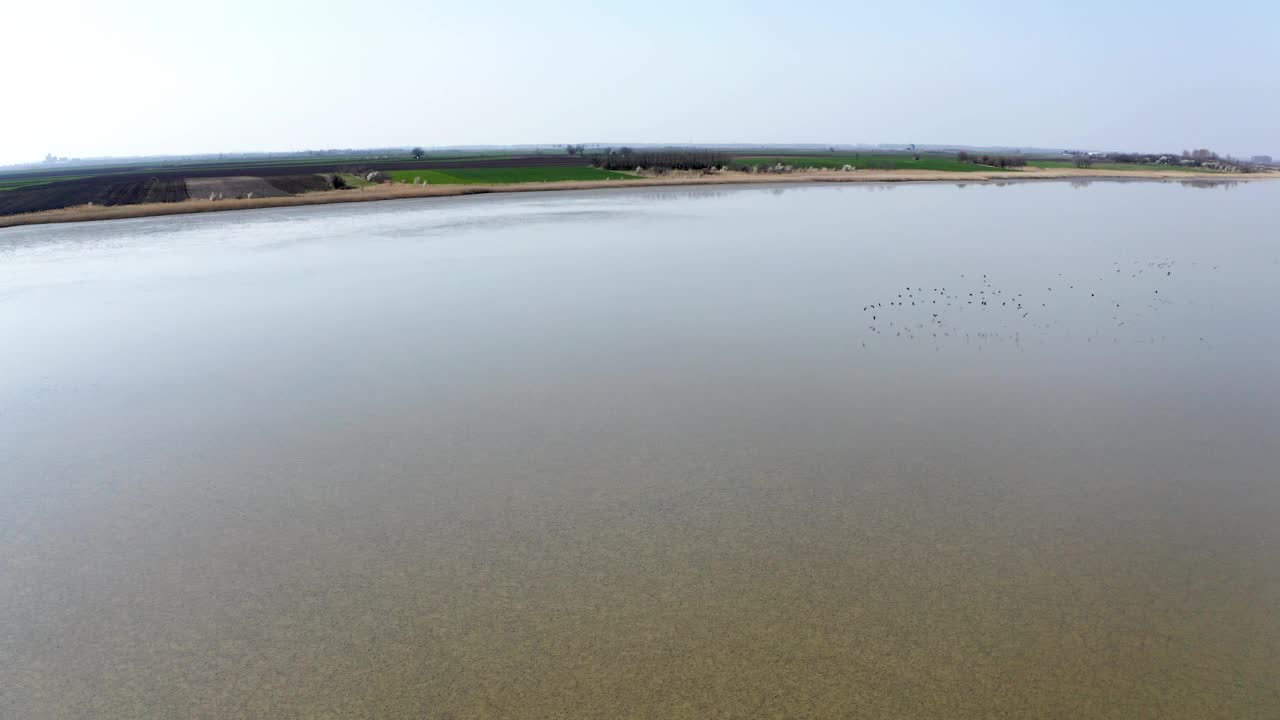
302 161
870 162
1055 164
472 176
245 166
32 182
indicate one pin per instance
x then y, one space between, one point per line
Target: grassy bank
867 162
1059 164
498 176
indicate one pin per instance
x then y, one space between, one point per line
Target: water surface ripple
852 451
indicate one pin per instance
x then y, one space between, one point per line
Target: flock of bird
975 307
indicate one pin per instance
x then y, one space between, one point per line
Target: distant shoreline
85 213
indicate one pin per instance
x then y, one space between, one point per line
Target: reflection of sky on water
658 453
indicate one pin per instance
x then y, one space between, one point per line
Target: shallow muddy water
753 452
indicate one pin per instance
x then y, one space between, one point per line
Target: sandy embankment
402 191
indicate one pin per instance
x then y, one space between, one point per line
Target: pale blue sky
89 78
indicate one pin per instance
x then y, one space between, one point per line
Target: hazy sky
86 77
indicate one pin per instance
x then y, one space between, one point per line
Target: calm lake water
674 453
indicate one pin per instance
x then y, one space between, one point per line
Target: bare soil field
242 186
295 184
247 186
165 191
92 191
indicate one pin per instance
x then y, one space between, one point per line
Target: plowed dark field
99 191
166 191
127 185
294 184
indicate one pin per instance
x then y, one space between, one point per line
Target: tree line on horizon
1001 161
625 158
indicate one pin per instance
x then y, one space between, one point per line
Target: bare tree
418 153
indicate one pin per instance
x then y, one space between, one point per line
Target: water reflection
689 192
1209 183
678 453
